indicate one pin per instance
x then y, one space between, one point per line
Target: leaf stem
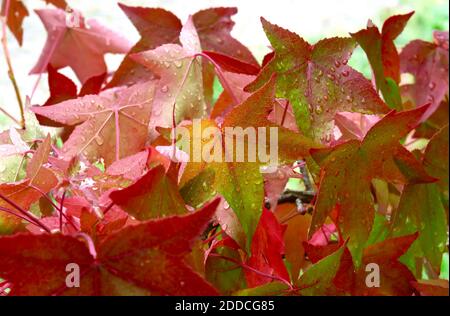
25 213
245 266
10 116
11 75
221 77
54 205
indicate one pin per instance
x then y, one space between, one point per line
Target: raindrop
178 63
164 88
432 85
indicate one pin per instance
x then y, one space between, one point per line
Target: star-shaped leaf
422 208
316 79
153 195
180 85
383 56
348 169
241 182
112 125
428 62
15 15
144 259
80 47
39 180
158 27
267 251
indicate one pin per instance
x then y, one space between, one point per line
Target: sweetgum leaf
81 48
436 158
26 192
432 287
214 29
225 275
241 183
428 62
153 195
347 171
383 55
422 208
395 278
317 279
180 85
267 250
296 233
316 79
62 4
116 118
158 27
130 167
17 12
147 258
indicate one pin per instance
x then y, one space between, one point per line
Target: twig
306 180
61 213
284 113
290 196
10 68
44 195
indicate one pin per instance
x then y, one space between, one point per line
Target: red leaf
116 118
153 195
316 79
428 62
142 259
347 171
267 250
16 13
82 48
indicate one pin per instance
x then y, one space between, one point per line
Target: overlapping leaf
144 259
113 124
241 182
383 56
81 47
428 62
316 79
347 171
